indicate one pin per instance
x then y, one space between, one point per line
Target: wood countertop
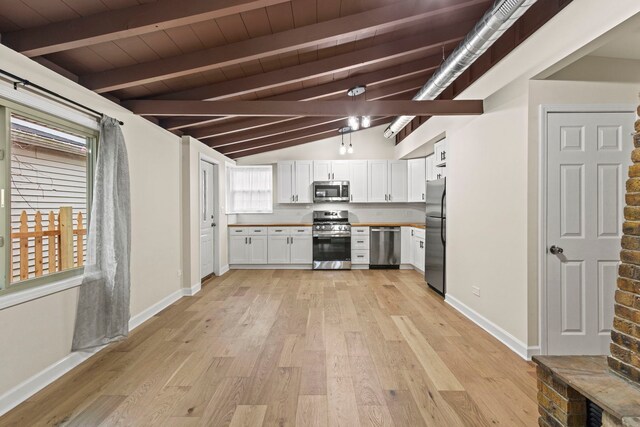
270 225
387 224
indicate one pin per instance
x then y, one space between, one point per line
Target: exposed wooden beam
332 126
306 108
421 66
206 132
121 23
291 143
379 19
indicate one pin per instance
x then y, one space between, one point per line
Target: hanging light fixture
343 149
350 149
356 122
365 121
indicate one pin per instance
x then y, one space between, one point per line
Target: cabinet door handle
385 198
333 175
245 241
351 196
389 197
291 241
296 197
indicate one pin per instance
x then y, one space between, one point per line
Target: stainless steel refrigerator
436 239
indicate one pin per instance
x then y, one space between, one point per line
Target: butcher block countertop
387 224
271 225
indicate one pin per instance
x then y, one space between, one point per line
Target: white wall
38 333
492 201
192 151
600 69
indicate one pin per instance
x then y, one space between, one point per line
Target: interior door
587 159
207 218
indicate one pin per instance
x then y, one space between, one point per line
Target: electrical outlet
475 290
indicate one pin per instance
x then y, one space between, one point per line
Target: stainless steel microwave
330 191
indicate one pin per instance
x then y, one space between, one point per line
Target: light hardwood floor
305 348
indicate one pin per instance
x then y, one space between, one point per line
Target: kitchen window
46 182
249 189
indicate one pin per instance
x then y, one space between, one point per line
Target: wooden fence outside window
61 237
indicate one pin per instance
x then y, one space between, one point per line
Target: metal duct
493 24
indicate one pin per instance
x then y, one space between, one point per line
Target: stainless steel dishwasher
384 247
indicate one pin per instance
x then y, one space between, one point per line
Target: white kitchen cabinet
258 250
418 248
279 249
295 179
417 182
440 172
378 181
301 249
239 250
358 181
397 185
429 168
405 245
304 181
322 170
440 153
331 170
340 170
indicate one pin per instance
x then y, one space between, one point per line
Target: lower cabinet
418 249
360 246
290 245
247 248
405 245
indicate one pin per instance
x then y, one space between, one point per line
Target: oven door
330 191
331 252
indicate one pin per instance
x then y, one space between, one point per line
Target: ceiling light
354 123
350 149
365 122
342 149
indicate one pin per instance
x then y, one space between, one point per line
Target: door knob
555 250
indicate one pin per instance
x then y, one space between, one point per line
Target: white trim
223 270
271 267
500 334
148 313
544 111
57 109
20 297
194 289
18 394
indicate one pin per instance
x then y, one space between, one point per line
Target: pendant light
350 149
343 149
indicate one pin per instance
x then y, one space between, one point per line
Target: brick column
559 405
625 336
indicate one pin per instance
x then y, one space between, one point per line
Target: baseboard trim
194 289
496 331
18 394
271 267
223 270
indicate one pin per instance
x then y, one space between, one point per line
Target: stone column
625 336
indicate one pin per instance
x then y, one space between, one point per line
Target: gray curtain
103 305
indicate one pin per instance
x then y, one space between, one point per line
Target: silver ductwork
493 24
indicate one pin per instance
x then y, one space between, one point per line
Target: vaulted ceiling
246 50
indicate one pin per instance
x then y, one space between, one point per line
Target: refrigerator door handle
444 219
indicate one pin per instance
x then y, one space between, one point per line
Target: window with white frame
46 189
249 189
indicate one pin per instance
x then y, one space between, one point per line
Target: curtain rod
25 82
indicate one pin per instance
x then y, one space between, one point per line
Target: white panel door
358 180
321 170
588 156
258 252
285 180
398 181
340 170
304 181
207 218
279 252
239 250
301 249
417 182
378 181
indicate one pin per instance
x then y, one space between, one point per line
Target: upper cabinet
440 153
358 181
331 170
417 182
295 179
387 181
430 168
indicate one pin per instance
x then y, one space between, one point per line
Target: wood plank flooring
305 348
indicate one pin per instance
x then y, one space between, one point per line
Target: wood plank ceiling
243 50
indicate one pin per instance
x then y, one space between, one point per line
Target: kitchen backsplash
370 212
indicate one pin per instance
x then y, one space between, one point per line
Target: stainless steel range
331 240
